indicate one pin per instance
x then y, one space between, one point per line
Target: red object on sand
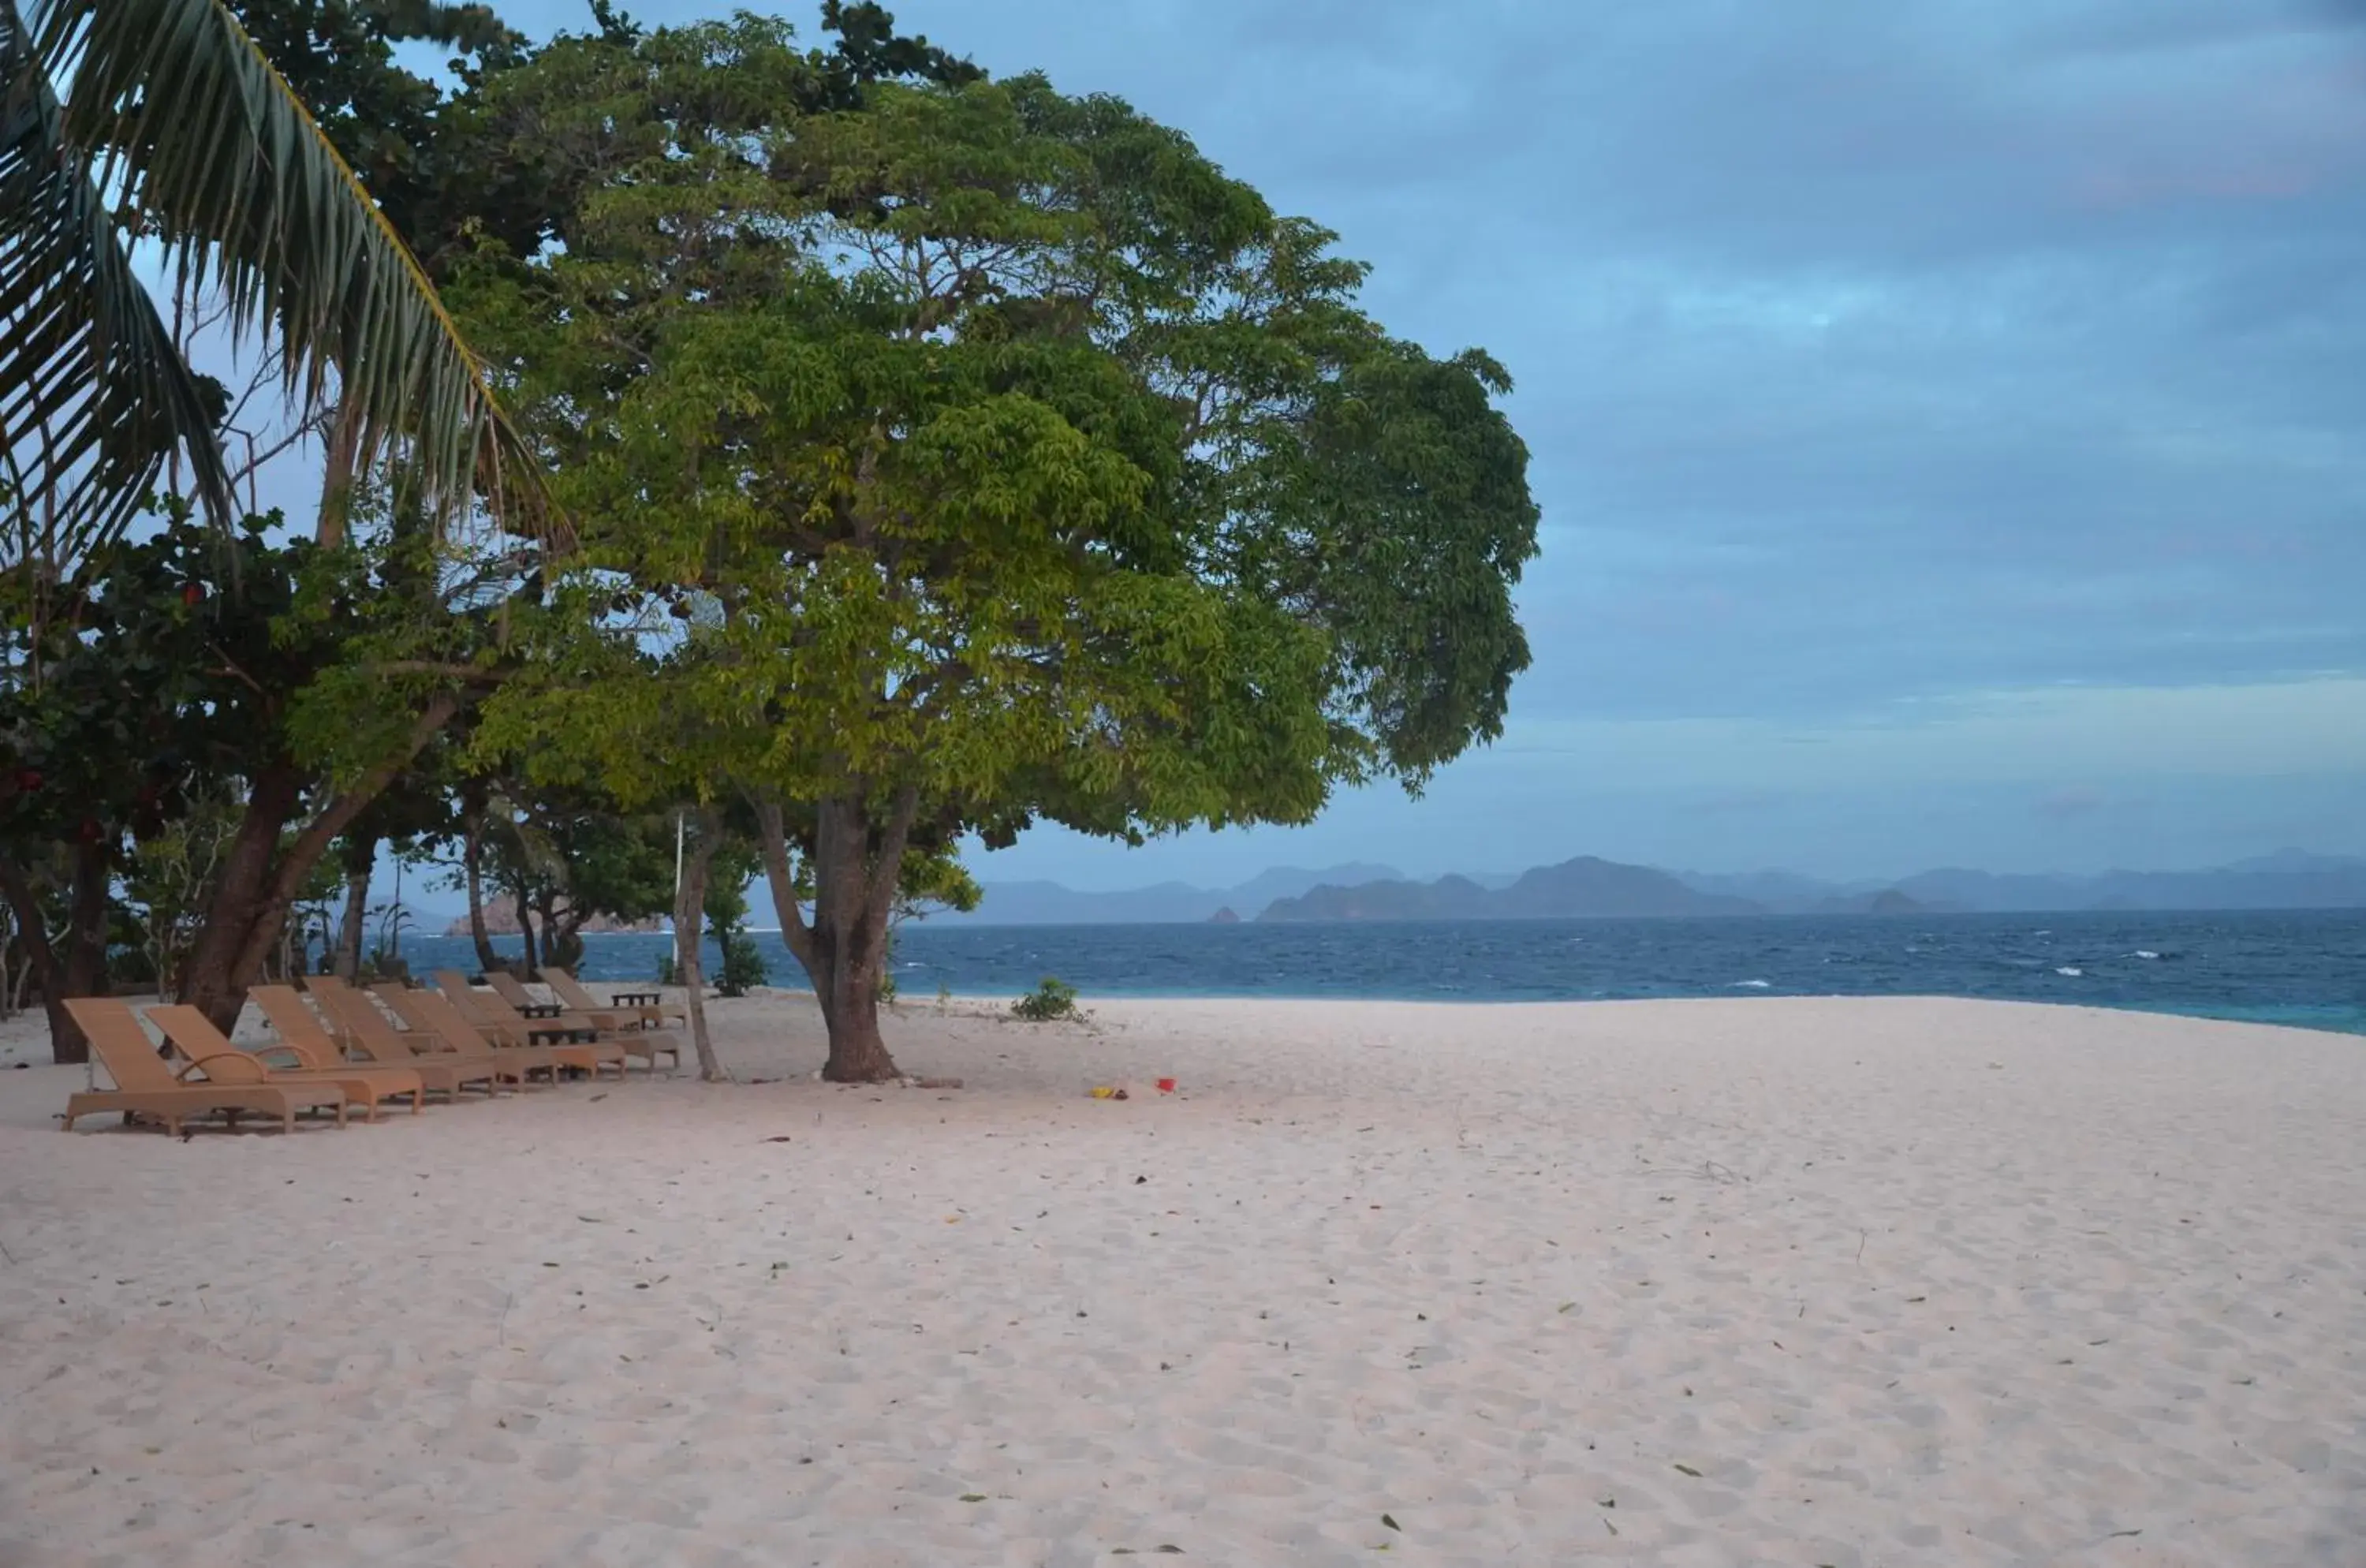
1167 1086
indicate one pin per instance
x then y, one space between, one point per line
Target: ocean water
2305 968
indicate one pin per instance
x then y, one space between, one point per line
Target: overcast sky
1946 413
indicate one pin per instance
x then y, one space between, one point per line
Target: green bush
1053 1000
743 965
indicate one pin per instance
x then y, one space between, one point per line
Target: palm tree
175 130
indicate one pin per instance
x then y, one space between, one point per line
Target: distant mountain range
1577 888
1590 887
1049 904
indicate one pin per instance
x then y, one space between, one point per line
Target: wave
2145 952
2073 972
1750 986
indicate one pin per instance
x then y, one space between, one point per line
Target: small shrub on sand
1052 1000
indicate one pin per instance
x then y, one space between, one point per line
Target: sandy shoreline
1703 1282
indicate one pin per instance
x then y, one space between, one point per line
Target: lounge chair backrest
121 1045
481 1009
505 986
433 1012
293 1022
568 989
491 1006
358 1017
195 1036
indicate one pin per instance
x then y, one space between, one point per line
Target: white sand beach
1688 1283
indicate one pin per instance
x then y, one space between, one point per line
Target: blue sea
2302 967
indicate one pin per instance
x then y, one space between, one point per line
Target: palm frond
224 164
94 396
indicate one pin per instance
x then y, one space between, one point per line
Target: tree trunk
523 916
259 881
348 963
472 858
857 861
562 938
689 931
337 475
858 1051
81 969
211 981
559 951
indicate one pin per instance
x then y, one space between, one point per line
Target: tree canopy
968 454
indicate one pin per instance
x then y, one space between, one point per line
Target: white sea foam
2072 973
1750 984
2146 952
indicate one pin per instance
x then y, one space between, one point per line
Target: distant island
500 919
1585 887
1591 888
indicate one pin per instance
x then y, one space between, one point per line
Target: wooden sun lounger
144 1086
197 1038
295 1023
448 1017
365 1028
506 986
494 1011
507 1031
646 1006
516 997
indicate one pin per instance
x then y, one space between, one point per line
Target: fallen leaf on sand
1688 1470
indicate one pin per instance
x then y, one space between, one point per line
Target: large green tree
969 454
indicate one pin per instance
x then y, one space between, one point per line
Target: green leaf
173 103
93 394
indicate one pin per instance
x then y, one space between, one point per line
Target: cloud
2035 737
2076 800
1961 395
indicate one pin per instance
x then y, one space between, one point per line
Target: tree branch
313 842
795 934
887 869
30 925
474 674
